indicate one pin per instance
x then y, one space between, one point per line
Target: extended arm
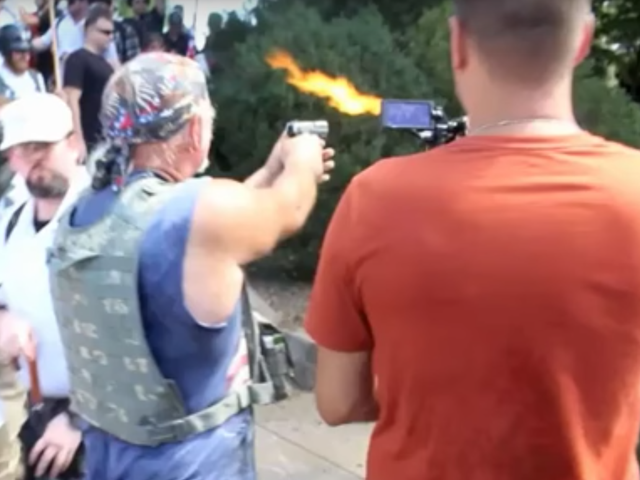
235 223
42 43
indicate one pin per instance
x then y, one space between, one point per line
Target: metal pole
57 75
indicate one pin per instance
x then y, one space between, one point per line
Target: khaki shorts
13 398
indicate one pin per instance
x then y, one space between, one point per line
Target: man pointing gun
147 279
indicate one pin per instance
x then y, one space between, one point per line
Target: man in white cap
41 148
16 80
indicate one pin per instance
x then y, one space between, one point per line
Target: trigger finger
328 153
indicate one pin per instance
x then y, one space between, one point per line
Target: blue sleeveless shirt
197 358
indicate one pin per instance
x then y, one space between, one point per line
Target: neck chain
521 121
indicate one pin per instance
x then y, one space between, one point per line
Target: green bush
600 108
607 111
255 102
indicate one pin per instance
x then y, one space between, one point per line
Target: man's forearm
364 408
366 412
40 44
296 189
75 110
261 178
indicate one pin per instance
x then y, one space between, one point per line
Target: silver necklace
520 121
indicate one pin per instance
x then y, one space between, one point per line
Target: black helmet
13 38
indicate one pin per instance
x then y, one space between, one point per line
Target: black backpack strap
13 221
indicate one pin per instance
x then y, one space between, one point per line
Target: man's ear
194 132
587 34
458 44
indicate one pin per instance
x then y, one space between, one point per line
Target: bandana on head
151 98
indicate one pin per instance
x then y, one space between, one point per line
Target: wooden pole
195 18
57 75
34 379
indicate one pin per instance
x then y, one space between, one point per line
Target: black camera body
423 118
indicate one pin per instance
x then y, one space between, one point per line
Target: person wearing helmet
178 40
16 78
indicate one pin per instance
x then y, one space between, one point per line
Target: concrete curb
304 354
301 348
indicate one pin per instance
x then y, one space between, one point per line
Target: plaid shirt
127 43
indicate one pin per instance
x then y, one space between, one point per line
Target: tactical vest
116 384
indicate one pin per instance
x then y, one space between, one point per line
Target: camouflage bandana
151 98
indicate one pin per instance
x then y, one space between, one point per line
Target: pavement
293 443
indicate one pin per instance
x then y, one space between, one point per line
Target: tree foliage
380 57
617 47
599 107
255 102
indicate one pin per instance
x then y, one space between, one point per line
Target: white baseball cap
37 117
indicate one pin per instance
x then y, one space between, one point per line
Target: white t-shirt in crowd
25 288
22 84
70 37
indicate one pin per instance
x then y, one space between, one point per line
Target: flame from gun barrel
339 92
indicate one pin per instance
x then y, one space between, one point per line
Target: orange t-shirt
496 281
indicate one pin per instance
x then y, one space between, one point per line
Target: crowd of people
128 36
89 41
54 70
480 302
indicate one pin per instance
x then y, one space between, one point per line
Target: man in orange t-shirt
481 302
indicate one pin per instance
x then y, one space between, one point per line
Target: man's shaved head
527 41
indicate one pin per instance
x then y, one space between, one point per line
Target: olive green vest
116 384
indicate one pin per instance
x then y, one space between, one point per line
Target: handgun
313 127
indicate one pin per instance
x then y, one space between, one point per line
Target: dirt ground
287 297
